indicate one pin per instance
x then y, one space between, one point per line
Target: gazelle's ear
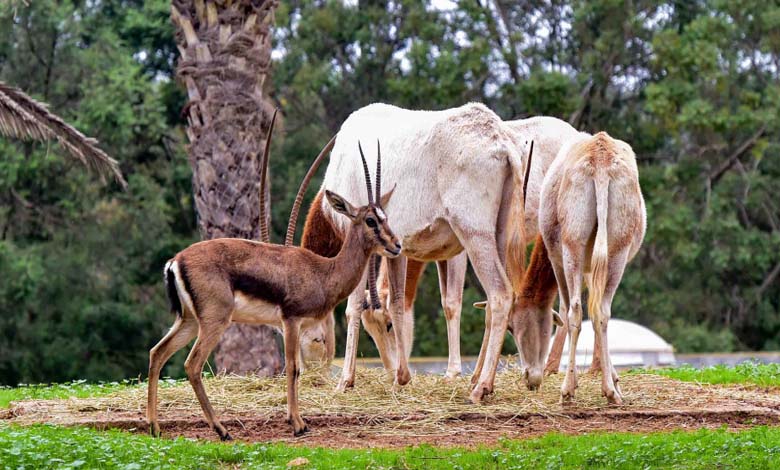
481 305
557 319
341 205
386 197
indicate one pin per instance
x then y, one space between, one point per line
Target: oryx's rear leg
213 321
609 376
183 330
452 276
483 253
292 331
573 258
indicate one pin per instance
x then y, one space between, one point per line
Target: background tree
225 58
693 86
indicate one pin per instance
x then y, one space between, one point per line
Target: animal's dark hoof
154 432
301 432
223 435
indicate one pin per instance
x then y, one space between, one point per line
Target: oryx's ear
341 205
557 319
386 197
481 305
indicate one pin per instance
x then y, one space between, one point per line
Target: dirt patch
430 411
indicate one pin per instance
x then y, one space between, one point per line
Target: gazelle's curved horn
264 237
378 192
293 221
367 175
527 171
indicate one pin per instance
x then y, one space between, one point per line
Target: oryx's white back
549 135
448 164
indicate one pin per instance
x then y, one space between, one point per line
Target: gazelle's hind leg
452 276
183 330
572 266
609 376
292 329
211 329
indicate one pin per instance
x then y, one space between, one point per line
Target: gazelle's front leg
354 309
403 325
452 276
292 330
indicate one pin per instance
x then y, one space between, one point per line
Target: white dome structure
630 344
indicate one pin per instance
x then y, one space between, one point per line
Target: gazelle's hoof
223 434
300 432
154 430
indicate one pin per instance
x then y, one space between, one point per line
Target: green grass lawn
78 389
54 447
44 446
746 373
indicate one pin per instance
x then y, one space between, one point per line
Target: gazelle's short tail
169 275
599 261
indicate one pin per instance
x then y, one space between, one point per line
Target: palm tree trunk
225 48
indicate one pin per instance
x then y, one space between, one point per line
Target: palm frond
24 118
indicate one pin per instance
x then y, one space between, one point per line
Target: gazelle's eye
371 222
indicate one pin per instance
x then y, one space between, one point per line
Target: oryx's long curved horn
293 221
378 192
527 171
264 237
367 175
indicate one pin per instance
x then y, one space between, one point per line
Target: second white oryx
462 172
531 316
592 218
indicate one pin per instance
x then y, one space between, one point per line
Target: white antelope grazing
530 318
592 219
216 282
461 172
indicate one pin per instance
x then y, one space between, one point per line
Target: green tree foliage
693 86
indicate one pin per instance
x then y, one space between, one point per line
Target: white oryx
460 177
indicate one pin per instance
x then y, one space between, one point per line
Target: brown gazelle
216 282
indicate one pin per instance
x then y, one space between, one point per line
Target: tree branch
718 173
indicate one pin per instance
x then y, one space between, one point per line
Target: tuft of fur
170 288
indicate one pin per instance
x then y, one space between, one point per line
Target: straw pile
430 395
